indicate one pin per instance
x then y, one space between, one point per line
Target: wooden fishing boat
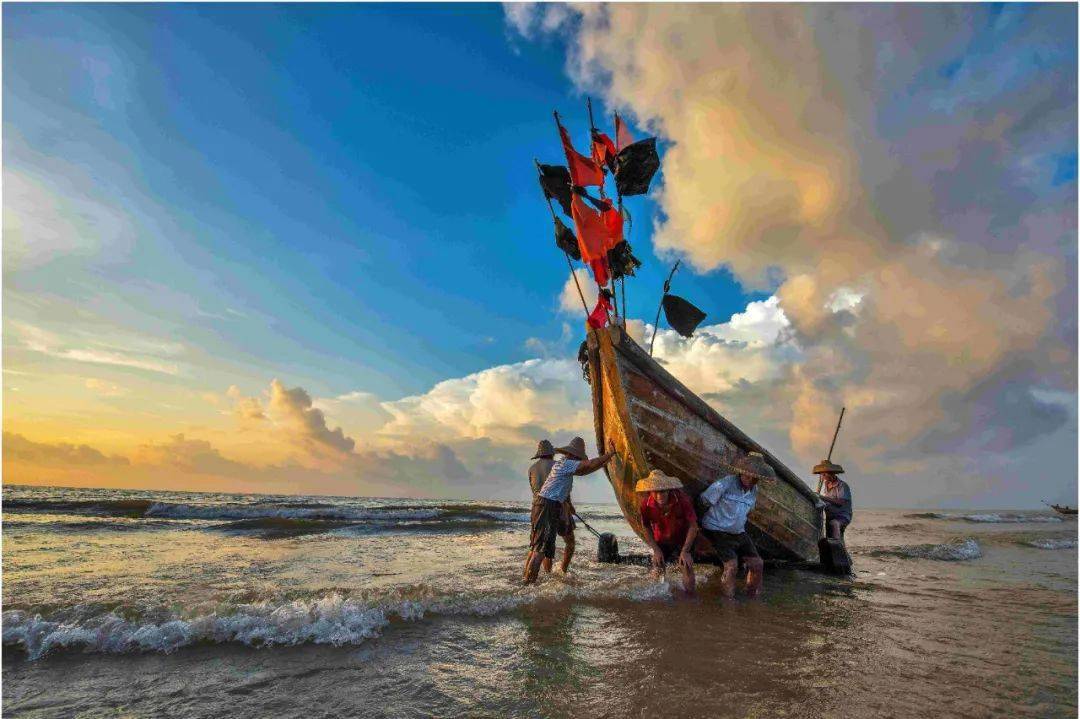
655 422
1062 509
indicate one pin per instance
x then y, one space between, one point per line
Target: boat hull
657 423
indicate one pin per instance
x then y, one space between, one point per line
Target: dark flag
681 315
555 182
565 240
635 167
621 260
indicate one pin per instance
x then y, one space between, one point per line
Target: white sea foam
1053 543
955 551
195 511
994 518
505 516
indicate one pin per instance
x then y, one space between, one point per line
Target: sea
124 603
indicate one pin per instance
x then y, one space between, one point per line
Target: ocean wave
955 551
1053 543
133 508
988 518
234 512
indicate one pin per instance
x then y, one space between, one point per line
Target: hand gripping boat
655 422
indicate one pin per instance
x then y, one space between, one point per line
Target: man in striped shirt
547 507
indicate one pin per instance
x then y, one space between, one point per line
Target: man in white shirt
547 507
729 501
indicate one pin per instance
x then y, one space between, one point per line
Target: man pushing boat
538 472
729 501
547 506
670 523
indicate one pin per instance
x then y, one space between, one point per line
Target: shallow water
189 605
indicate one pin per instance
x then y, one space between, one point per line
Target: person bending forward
729 501
670 523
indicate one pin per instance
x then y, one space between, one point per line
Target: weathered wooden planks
654 421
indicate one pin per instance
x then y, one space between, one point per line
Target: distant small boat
1061 509
655 422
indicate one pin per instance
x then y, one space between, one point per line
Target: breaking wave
236 512
955 551
991 517
1053 543
332 619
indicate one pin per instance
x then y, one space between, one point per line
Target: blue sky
301 247
357 178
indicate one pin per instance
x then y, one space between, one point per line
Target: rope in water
597 534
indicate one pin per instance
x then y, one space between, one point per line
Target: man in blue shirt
729 501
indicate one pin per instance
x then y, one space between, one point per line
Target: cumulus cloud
245 408
569 297
292 408
925 272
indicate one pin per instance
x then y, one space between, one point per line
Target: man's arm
691 537
832 500
588 466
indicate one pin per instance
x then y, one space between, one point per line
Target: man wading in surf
538 472
729 501
670 523
548 503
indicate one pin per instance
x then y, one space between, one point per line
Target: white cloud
570 297
770 172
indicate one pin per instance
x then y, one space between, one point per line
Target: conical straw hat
755 465
825 466
575 449
657 481
543 449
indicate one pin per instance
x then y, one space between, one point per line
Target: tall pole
821 477
656 322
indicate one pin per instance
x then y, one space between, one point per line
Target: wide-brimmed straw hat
575 449
755 465
543 449
827 467
657 481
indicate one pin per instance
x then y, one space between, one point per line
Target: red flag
623 137
603 149
583 171
613 224
592 233
599 316
600 271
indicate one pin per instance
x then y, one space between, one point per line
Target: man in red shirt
670 524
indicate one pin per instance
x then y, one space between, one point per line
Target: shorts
546 521
731 546
671 552
566 522
844 522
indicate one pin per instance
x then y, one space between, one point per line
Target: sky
301 249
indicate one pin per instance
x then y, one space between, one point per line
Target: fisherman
538 472
729 501
836 495
548 503
670 523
